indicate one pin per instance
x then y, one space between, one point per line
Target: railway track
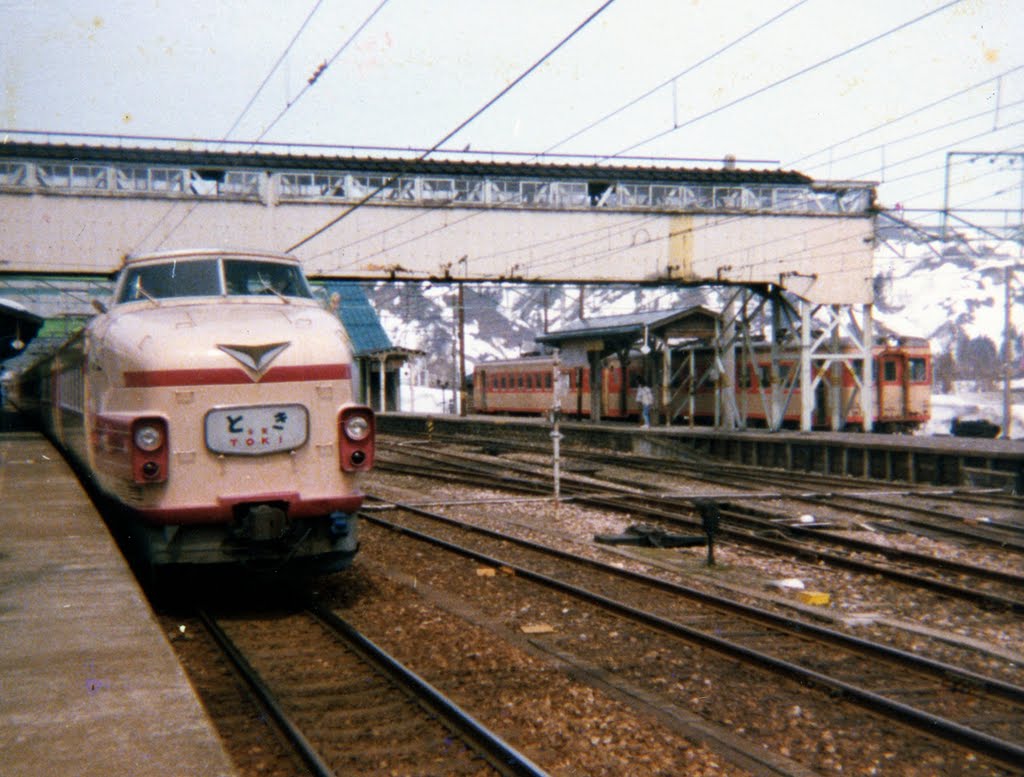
943 702
347 707
861 497
771 531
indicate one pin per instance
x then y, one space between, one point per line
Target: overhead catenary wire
909 114
900 27
315 77
273 68
686 71
466 122
792 76
279 116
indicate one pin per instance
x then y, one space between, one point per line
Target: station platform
88 683
889 458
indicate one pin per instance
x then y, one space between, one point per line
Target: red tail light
355 438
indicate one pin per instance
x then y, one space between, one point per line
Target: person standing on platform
645 398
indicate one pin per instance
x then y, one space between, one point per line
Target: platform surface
88 683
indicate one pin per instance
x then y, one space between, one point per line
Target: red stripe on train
232 376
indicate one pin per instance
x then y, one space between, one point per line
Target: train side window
918 371
889 370
547 380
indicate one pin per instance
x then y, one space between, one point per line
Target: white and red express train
902 388
214 401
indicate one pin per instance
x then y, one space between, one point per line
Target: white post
806 387
867 393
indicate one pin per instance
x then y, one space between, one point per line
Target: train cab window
889 370
247 277
918 370
171 279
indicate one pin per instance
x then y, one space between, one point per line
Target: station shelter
643 339
377 363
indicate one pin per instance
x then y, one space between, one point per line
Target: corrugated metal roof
395 166
359 318
626 325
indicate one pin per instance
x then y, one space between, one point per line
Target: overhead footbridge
78 209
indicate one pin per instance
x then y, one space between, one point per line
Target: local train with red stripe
902 386
213 401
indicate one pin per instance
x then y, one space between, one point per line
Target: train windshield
212 278
172 279
245 276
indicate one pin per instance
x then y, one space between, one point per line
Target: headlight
357 428
148 438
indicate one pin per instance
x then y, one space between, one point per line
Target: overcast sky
785 95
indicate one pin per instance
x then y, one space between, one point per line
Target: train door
890 387
480 378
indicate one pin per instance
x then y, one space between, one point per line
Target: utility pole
462 352
1007 356
464 261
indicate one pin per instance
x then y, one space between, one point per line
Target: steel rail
502 756
937 669
994 534
753 514
302 746
1010 753
585 495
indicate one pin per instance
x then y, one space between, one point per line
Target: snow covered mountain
951 292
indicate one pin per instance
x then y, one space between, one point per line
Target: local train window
529 381
889 370
918 370
547 380
743 376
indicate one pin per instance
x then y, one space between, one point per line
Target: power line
916 135
792 76
273 69
288 107
322 67
676 77
907 115
457 129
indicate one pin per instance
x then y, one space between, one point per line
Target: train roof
236 253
